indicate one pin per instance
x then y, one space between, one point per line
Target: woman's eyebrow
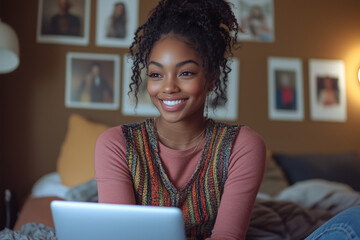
186 62
177 65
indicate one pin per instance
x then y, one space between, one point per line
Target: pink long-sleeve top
245 172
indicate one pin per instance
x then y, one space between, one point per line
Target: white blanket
317 193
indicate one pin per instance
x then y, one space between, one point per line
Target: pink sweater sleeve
111 172
245 173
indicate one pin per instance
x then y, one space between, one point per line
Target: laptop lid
94 221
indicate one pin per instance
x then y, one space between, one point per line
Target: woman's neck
180 135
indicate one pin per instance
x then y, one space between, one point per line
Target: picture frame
116 22
256 20
92 81
63 22
285 89
327 90
144 107
226 111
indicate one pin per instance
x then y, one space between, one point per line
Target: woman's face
176 80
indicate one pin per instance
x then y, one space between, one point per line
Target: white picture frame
92 81
327 89
229 110
256 20
285 89
53 28
144 107
119 32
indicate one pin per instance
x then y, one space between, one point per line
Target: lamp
359 75
9 49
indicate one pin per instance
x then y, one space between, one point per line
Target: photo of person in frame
257 24
116 24
92 84
285 90
327 91
63 18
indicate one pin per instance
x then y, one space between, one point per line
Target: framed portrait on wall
228 110
327 90
285 89
144 106
256 19
63 22
116 22
92 81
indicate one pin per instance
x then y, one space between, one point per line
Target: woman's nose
170 85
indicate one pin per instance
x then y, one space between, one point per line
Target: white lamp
9 49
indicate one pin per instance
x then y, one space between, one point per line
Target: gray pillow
342 167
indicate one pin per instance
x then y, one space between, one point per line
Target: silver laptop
97 221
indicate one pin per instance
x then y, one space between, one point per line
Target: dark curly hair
208 25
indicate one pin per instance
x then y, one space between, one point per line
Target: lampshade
9 49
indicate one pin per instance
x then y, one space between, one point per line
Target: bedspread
321 194
281 220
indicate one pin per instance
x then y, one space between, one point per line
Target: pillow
75 164
342 167
274 180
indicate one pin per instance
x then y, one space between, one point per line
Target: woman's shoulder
112 135
249 135
248 148
116 133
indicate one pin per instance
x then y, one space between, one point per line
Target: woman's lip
172 105
172 102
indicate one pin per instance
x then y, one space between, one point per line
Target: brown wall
33 117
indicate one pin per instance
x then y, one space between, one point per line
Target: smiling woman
210 170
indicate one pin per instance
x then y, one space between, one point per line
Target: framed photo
256 19
285 86
144 106
116 22
327 90
228 110
63 22
92 81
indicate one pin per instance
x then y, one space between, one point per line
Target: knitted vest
200 198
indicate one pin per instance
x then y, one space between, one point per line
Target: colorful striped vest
200 198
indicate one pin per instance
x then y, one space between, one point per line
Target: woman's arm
245 173
111 172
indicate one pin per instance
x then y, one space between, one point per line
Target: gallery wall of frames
93 79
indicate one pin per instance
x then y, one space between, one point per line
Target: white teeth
172 103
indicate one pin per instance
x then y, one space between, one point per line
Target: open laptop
97 221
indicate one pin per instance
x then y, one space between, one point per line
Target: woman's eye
186 74
154 75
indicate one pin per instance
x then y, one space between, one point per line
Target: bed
298 192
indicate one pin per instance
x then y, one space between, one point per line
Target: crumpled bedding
281 220
299 209
293 214
29 231
321 194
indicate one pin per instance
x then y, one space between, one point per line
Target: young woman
210 170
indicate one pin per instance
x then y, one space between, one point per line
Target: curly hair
208 25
